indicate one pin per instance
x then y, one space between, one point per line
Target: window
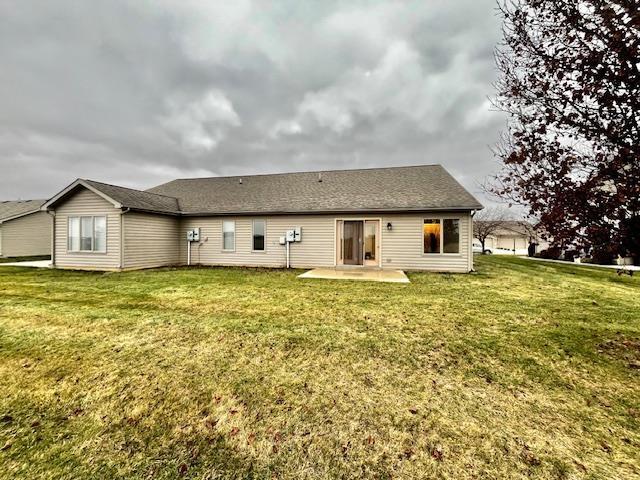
258 235
441 235
100 234
87 234
228 235
74 234
451 236
431 235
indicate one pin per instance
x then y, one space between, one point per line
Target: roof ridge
306 171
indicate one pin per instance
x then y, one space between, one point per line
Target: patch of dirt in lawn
624 349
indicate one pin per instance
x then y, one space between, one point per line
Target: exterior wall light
389 226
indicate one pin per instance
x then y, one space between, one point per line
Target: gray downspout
53 238
122 237
473 214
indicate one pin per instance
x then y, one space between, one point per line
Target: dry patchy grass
522 370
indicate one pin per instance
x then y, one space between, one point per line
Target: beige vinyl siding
27 235
402 247
150 240
315 250
85 202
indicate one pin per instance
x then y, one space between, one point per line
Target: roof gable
120 197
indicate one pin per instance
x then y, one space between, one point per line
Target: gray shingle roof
137 199
14 208
425 187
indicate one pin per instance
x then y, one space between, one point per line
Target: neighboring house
412 218
25 230
514 237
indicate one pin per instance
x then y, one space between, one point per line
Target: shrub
569 255
551 253
603 256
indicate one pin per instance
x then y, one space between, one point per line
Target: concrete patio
390 276
31 264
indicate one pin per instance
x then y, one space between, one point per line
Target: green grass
522 370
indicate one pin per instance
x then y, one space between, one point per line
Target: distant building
25 230
514 237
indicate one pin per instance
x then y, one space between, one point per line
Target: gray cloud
138 93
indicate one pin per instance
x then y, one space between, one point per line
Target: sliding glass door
358 242
352 243
371 242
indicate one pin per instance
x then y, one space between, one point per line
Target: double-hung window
87 234
259 233
228 235
441 235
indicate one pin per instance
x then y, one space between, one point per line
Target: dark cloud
138 93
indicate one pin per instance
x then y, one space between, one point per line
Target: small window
451 235
258 235
228 235
431 235
87 234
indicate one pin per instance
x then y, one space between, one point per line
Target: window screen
73 237
86 233
228 235
100 234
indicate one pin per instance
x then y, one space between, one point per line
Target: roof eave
23 214
149 210
332 212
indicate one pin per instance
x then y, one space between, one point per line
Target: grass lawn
522 370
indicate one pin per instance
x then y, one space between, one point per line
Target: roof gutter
53 237
122 212
149 210
24 214
332 212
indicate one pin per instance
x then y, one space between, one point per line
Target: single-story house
25 230
514 236
410 218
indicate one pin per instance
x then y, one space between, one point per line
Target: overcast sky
137 93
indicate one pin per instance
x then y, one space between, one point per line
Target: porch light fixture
389 226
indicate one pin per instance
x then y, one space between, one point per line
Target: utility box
297 234
290 236
193 235
283 240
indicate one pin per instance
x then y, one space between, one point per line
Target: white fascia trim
79 182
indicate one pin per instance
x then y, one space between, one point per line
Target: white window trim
253 224
441 252
234 236
93 235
